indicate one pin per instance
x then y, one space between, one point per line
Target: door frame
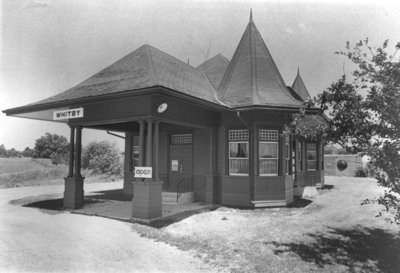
170 134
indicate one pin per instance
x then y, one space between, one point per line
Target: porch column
149 144
211 182
71 152
78 151
147 194
156 150
141 143
128 164
73 193
252 162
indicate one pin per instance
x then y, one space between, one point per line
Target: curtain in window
268 154
238 158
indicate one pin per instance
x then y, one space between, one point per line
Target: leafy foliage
102 158
52 146
28 152
364 111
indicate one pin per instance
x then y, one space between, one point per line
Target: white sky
48 46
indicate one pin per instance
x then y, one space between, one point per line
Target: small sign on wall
143 172
174 165
68 114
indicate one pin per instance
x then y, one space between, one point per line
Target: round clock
162 107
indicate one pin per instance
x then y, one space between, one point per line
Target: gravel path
33 240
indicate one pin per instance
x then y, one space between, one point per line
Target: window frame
287 156
236 140
315 156
299 154
269 136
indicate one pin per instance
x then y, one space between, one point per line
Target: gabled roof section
145 67
300 88
252 77
214 69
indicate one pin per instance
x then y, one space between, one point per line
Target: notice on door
143 172
174 165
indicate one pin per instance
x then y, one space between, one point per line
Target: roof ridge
229 70
171 56
151 64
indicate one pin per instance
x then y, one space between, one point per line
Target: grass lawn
332 234
26 172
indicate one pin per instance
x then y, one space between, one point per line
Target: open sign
143 172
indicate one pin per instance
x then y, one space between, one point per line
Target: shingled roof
300 88
252 77
145 67
214 69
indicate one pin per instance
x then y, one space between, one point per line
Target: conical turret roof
299 87
252 77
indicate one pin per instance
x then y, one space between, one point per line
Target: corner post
128 164
71 152
141 143
73 193
156 149
147 194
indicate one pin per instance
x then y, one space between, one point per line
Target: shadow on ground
299 202
55 204
360 249
116 195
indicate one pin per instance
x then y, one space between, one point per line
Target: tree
102 158
52 146
28 152
3 151
365 115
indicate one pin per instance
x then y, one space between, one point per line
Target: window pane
268 166
268 150
238 150
239 166
311 156
312 164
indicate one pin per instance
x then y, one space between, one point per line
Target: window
181 139
287 155
136 150
268 151
238 152
300 155
311 156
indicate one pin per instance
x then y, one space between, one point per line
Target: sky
48 46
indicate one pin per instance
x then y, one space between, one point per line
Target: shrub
102 158
52 146
360 172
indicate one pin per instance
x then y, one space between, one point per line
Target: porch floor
115 205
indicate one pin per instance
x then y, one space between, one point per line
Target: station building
215 130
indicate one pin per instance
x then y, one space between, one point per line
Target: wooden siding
114 110
183 113
289 193
269 188
235 191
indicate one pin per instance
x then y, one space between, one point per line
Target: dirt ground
33 240
330 232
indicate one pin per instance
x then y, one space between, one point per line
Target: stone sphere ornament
342 165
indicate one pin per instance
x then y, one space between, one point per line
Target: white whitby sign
67 114
143 172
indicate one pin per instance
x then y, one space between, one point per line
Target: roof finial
298 70
251 15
